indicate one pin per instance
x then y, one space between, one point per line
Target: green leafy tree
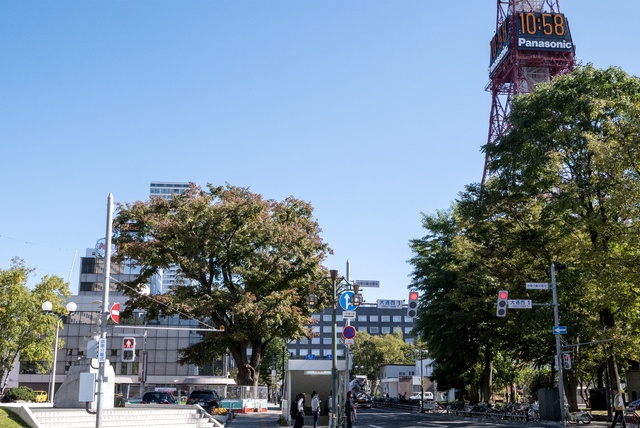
372 351
573 145
247 263
26 332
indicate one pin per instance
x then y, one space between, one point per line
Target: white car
416 397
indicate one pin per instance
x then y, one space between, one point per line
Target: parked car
158 397
415 398
206 398
41 396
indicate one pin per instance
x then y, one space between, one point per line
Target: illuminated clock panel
543 31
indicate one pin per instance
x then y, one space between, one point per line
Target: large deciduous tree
25 330
574 144
564 187
246 264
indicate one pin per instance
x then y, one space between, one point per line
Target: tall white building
165 278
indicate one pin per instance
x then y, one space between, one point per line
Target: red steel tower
532 44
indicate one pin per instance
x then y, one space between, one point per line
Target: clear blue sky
373 111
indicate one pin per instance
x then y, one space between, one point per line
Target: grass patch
8 419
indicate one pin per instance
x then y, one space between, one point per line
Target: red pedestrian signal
128 349
412 306
566 361
503 296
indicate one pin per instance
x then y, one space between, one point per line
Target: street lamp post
47 307
338 285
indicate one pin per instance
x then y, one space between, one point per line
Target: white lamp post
47 307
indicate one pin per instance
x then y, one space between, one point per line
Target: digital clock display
543 31
500 46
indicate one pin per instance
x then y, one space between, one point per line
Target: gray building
382 317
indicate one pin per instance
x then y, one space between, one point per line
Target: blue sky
373 111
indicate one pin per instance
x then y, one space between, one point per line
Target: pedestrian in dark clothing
300 416
349 409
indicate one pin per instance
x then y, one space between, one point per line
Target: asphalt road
390 418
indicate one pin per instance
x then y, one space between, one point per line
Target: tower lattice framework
532 45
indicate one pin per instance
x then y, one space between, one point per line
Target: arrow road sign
560 329
345 301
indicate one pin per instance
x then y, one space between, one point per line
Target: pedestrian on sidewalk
618 406
315 408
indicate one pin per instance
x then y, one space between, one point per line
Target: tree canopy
563 187
246 264
27 331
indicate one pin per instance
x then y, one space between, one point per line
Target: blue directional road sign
310 357
560 329
345 301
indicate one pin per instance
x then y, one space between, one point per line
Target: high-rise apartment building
166 278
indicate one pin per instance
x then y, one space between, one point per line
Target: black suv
157 397
206 398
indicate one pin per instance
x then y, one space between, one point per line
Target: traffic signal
501 311
128 349
412 307
566 361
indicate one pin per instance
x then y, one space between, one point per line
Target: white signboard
348 342
519 304
363 283
348 314
389 304
102 350
537 285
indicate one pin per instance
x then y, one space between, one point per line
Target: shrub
282 421
23 393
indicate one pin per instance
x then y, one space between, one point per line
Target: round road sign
349 332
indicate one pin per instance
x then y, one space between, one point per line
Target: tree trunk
488 375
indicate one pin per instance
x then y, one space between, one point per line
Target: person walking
618 406
315 408
348 408
299 423
329 406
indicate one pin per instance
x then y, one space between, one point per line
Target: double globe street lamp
47 307
338 286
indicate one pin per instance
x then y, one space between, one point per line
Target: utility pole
105 310
556 325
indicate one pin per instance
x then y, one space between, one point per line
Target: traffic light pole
558 347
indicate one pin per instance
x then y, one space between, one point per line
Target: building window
362 318
386 330
407 330
385 318
327 329
397 318
373 318
373 330
315 341
326 318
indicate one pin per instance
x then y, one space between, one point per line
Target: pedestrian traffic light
412 306
501 311
566 361
128 349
